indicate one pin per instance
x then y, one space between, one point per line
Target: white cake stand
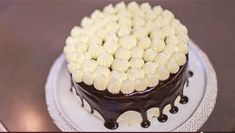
2 128
68 114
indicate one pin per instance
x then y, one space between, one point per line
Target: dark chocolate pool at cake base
111 106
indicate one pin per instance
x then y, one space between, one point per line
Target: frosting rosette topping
126 47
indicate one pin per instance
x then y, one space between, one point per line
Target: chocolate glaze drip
71 88
111 106
145 123
174 109
111 125
190 74
184 99
187 83
162 118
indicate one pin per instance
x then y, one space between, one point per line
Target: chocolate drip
82 102
190 73
187 83
162 118
92 110
183 99
145 123
111 125
111 106
72 85
173 109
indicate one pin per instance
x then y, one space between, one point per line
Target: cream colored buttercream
122 53
136 62
120 65
127 87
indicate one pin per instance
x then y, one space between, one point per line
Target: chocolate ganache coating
111 106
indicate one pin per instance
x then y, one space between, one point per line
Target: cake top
126 48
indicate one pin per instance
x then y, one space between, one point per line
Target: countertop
32 35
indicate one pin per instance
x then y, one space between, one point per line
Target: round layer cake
129 58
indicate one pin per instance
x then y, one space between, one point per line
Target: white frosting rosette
127 87
120 65
136 62
126 48
122 53
114 85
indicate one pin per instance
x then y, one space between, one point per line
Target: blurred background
32 36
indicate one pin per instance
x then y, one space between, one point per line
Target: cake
129 58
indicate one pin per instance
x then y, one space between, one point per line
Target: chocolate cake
129 58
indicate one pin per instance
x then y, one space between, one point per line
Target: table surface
32 35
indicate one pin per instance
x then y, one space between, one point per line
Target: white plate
68 114
2 128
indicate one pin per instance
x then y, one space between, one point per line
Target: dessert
128 58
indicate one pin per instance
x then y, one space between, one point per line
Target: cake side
112 106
